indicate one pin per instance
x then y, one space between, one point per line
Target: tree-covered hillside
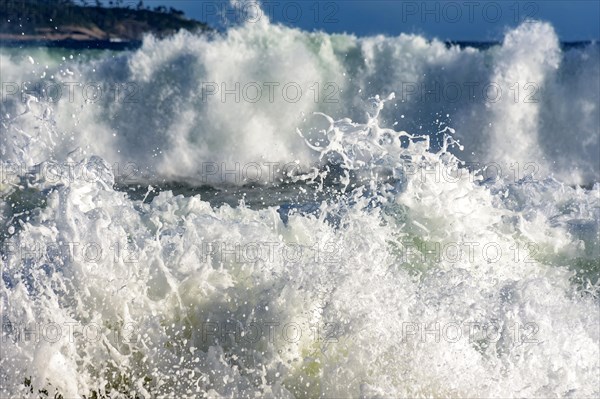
55 19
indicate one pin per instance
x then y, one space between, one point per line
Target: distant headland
70 23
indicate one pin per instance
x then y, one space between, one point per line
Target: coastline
71 43
75 26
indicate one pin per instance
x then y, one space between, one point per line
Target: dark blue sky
446 19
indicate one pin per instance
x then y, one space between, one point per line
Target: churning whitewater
445 243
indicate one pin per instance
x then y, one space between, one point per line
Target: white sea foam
399 284
523 102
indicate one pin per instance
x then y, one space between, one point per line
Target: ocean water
269 212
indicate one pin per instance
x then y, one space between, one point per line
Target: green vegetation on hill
54 19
